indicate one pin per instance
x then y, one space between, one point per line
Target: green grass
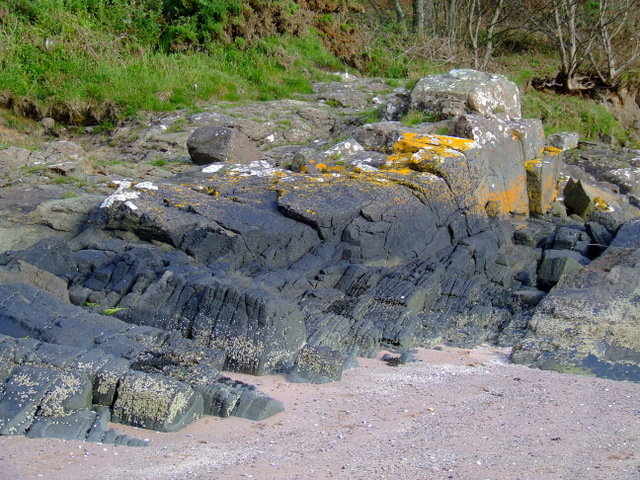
96 62
415 117
563 113
70 180
57 59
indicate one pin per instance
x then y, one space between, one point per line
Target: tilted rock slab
588 323
269 261
221 144
66 368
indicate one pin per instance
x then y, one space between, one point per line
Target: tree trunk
418 16
488 48
397 8
473 28
451 22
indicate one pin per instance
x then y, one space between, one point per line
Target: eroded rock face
392 237
90 369
589 322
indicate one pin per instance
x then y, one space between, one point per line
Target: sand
456 414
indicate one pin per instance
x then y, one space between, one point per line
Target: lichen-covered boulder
478 181
530 162
466 91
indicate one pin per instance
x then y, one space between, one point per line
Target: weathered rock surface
221 144
99 368
564 140
589 322
466 91
602 164
303 257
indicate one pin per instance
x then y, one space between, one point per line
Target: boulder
470 171
584 200
305 160
627 179
221 144
556 264
601 238
396 106
156 402
317 365
466 91
564 140
234 398
568 238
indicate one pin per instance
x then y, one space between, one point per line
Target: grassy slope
83 63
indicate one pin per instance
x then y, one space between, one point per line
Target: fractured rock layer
393 238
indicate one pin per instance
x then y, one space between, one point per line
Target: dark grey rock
19 271
51 254
556 264
317 365
568 238
22 396
407 356
602 296
94 366
600 237
220 144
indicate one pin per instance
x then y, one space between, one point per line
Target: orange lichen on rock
509 199
549 151
423 153
542 182
412 142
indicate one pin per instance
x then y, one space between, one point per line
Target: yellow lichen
532 164
600 204
551 151
412 142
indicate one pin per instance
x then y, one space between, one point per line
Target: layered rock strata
449 232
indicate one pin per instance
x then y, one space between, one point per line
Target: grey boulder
221 144
466 91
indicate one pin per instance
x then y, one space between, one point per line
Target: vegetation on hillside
87 62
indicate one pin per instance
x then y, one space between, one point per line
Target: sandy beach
455 414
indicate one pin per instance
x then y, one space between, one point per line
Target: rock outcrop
303 258
588 323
